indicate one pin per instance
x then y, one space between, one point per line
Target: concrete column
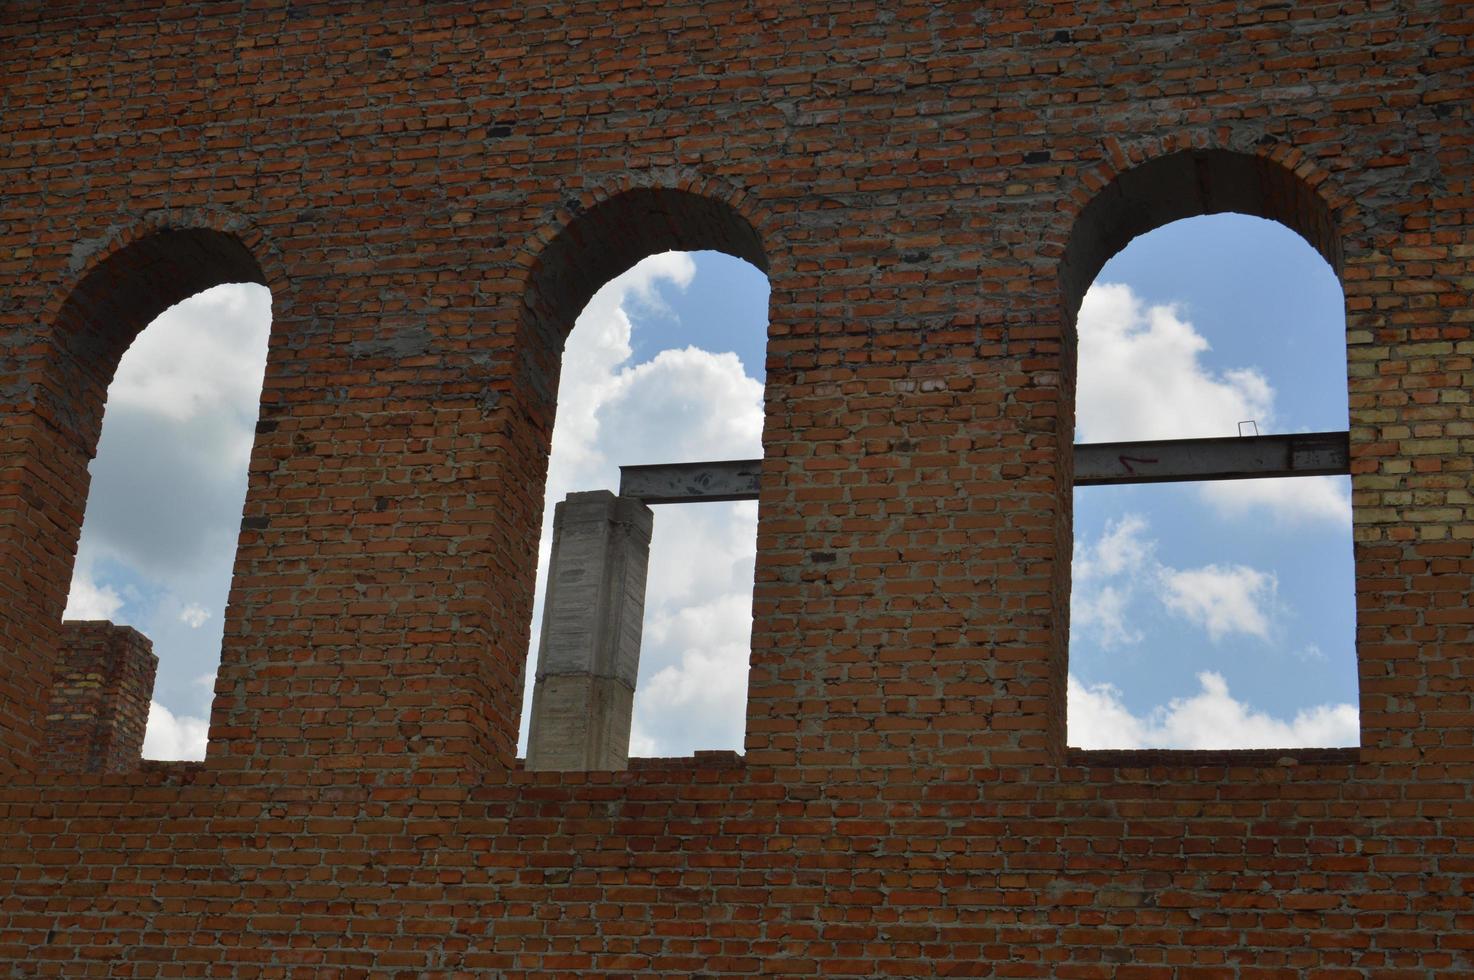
589 653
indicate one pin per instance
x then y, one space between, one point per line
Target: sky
1204 615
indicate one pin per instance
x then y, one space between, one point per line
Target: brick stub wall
98 709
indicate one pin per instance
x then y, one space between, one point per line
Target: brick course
431 192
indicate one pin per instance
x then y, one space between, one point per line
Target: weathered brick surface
432 192
100 693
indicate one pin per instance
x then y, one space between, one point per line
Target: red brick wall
430 191
99 699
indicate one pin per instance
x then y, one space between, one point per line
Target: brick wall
98 707
431 192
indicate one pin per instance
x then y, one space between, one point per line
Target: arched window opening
168 336
664 366
168 482
1212 610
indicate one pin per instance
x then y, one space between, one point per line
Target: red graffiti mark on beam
1126 462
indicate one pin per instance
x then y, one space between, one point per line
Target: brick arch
88 254
1137 191
126 280
603 233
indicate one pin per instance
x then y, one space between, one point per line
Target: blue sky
1204 615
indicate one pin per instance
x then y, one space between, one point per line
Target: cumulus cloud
88 600
1303 499
597 348
170 474
1210 719
1106 576
185 401
1119 573
1122 547
1146 372
686 404
1104 613
202 356
1125 585
689 703
1142 375
194 615
1222 599
171 736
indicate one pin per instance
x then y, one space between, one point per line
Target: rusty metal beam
1098 463
1230 458
683 483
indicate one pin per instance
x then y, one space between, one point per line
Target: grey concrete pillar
589 653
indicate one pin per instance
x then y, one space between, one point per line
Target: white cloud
194 615
1122 547
700 552
685 404
171 736
1301 499
1124 587
697 701
1210 719
170 473
1119 572
1097 718
1104 611
1222 599
1107 575
598 344
88 600
1141 375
